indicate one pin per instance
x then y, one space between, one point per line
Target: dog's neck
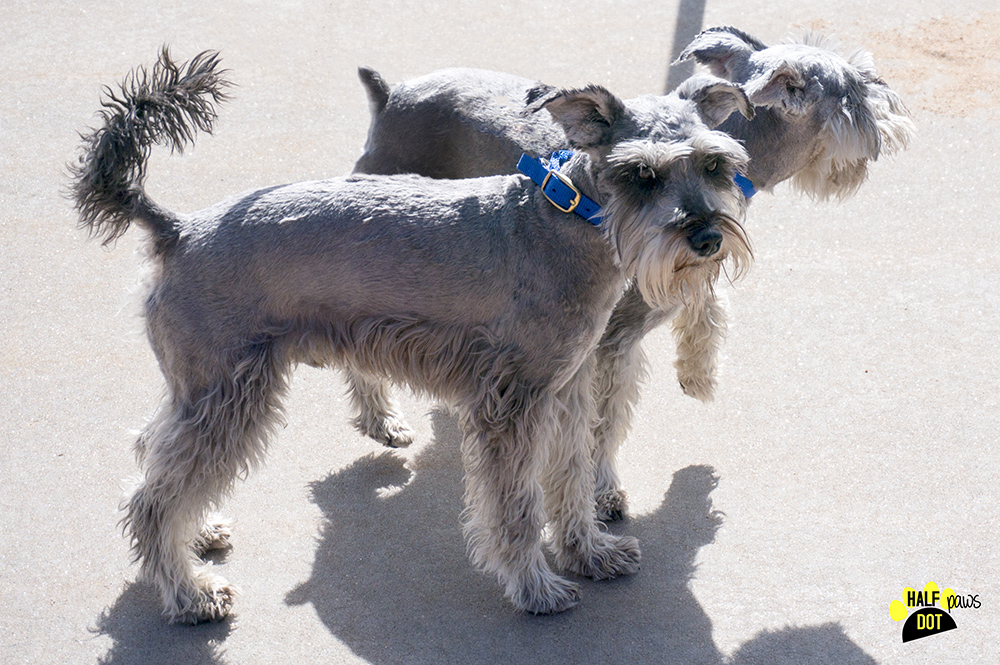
559 187
579 169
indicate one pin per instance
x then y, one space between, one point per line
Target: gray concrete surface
854 435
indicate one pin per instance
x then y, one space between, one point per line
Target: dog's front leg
699 329
579 543
620 369
502 450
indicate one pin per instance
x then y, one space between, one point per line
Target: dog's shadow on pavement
392 580
141 635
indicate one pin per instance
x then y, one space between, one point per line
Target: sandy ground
851 451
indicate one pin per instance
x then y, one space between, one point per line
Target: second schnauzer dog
479 292
821 117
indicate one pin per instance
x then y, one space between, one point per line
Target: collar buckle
574 202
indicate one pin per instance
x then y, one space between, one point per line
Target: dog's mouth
713 243
717 260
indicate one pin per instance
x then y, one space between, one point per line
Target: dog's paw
609 557
612 505
391 430
211 601
215 534
396 433
701 387
546 594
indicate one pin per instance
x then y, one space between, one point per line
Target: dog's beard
849 140
668 273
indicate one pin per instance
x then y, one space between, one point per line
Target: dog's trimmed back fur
429 125
478 292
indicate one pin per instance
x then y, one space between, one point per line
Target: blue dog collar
557 188
563 194
745 185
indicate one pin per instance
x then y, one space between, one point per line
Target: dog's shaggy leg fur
699 332
215 534
378 417
505 513
201 441
622 367
579 545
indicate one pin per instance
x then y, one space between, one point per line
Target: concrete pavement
852 448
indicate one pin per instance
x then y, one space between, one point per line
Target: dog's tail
164 106
376 88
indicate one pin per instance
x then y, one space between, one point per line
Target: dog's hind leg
200 443
502 450
579 543
378 416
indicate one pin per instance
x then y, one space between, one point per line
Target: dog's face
833 106
672 210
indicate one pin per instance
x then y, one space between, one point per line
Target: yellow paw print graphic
930 618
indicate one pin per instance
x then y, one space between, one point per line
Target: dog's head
826 112
672 210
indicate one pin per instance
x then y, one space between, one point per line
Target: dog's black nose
705 240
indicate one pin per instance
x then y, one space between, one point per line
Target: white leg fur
378 416
505 513
215 534
620 371
699 330
579 544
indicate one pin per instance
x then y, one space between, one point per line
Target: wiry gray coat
821 115
478 292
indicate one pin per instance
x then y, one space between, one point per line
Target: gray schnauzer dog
478 292
821 116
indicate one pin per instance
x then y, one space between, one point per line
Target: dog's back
307 238
453 123
452 251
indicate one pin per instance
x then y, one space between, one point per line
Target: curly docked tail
164 106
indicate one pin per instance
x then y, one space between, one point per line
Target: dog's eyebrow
655 154
721 146
659 155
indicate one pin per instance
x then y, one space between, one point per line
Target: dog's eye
646 173
791 89
712 167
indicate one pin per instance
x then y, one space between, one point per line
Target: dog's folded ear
715 98
723 50
587 115
782 85
537 96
